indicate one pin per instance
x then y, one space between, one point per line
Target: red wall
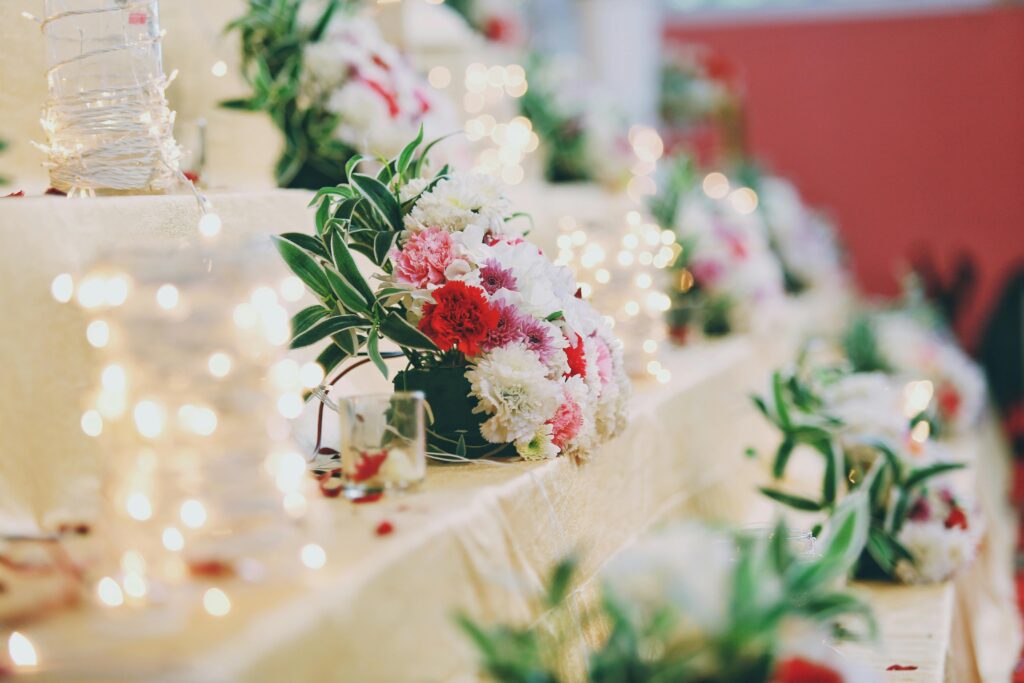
910 130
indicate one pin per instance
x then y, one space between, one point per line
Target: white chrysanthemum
511 385
539 446
729 256
870 406
806 242
412 188
938 552
460 201
921 353
660 571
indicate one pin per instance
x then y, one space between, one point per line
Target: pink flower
509 328
566 423
605 366
423 258
706 272
493 277
541 338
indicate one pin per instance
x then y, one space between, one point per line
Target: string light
63 288
216 602
22 652
109 592
313 556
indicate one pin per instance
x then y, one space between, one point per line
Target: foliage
795 408
563 133
273 40
769 585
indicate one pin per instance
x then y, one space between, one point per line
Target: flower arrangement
499 21
951 388
921 528
510 359
804 242
333 86
726 277
583 138
751 611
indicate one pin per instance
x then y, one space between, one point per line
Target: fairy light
210 224
917 396
311 375
292 289
313 556
173 539
219 69
138 506
715 185
921 431
109 592
439 77
98 333
92 423
219 364
23 653
63 288
192 513
744 200
149 418
216 602
502 145
167 296
623 271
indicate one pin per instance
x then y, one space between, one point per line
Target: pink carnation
605 365
566 423
423 258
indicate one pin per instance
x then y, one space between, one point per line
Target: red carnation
577 360
956 519
461 318
800 670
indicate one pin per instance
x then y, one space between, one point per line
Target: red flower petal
55 192
576 358
211 569
901 667
369 465
800 670
957 518
385 528
19 193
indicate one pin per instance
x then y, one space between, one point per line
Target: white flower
688 568
511 385
460 201
922 353
938 552
537 447
806 242
870 406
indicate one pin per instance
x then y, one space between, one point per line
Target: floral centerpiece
751 610
333 86
913 346
511 360
805 243
583 138
922 527
725 277
499 21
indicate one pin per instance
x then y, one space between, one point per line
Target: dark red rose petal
385 528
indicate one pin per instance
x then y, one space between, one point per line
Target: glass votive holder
801 542
383 442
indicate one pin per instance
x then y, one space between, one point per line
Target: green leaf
782 457
325 19
780 400
920 476
331 357
402 332
241 104
460 447
380 198
554 316
304 266
406 156
326 328
374 352
347 267
847 531
350 165
305 318
793 501
560 581
323 217
307 242
347 294
382 243
418 167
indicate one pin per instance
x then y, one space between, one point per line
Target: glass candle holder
383 442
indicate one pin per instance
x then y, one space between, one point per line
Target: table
477 538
